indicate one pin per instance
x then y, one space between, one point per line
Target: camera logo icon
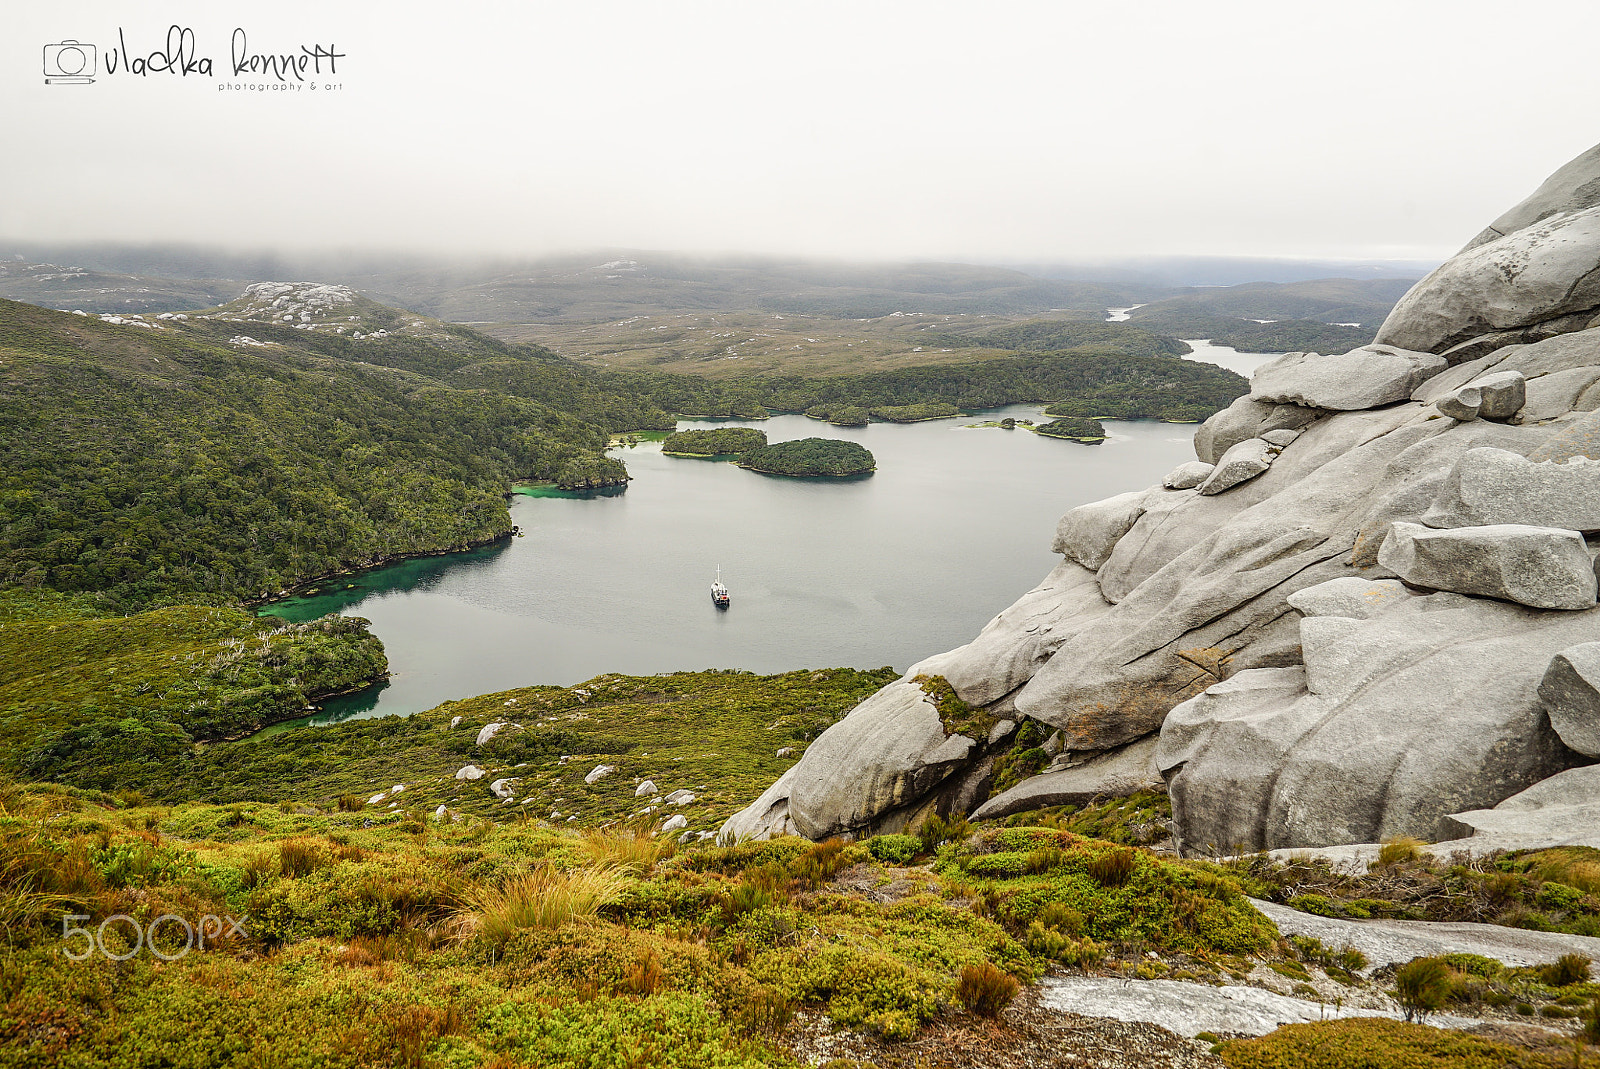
69 63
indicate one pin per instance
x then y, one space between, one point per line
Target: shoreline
380 562
316 700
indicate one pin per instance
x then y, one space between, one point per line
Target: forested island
714 442
810 457
1077 428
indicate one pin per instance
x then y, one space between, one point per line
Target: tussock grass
632 849
544 898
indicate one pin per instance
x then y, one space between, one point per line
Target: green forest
810 457
717 441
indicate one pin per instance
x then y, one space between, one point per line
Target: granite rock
1570 693
1113 774
1496 486
1242 462
1369 377
1187 476
1542 567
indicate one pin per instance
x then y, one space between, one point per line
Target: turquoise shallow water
884 569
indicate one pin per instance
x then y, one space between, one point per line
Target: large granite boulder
1572 188
889 751
1246 418
1088 533
1542 567
1427 708
1187 476
1570 692
1495 486
1498 395
1369 377
1541 271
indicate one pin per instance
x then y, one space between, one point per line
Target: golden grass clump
544 898
1399 849
632 849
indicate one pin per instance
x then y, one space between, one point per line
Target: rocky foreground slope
1367 609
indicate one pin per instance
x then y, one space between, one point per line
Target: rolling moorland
401 913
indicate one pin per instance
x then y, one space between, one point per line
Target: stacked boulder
1367 608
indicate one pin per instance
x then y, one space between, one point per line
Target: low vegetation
1554 890
808 457
114 702
395 938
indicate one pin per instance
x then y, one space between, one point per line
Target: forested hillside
166 463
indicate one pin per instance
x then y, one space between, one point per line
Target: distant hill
54 286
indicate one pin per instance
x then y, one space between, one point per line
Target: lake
883 569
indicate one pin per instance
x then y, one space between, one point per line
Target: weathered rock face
1187 476
1490 486
1368 377
1244 461
1536 264
1563 810
1498 395
1426 708
1303 695
891 750
1544 567
1089 532
1111 775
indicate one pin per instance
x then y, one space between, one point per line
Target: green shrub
1565 971
1422 986
895 849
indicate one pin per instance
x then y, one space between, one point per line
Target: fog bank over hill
613 283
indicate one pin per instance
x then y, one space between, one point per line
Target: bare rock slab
1570 693
1563 810
1369 377
1542 567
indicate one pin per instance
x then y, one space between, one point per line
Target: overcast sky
982 129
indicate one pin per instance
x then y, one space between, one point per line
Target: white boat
719 593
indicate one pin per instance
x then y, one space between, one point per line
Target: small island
810 457
840 415
719 442
1076 428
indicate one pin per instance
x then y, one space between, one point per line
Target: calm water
882 569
